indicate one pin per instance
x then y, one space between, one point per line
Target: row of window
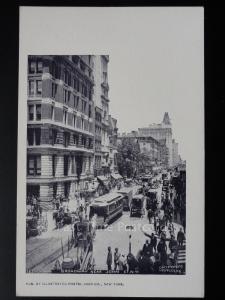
34 165
37 67
34 114
98 117
98 145
34 138
76 101
35 87
34 190
98 130
65 121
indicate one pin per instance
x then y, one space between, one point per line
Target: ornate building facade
113 135
60 125
105 125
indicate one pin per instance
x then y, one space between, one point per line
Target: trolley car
106 208
127 194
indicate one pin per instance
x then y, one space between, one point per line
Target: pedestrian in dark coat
142 263
109 259
81 208
180 237
153 242
150 215
116 258
145 247
132 263
149 250
155 224
162 249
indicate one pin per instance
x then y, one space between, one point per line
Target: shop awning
102 179
116 176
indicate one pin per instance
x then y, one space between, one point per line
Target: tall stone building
162 133
101 101
113 135
60 125
176 158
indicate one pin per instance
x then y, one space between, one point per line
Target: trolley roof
106 199
125 190
140 196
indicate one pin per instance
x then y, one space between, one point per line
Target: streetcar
127 197
165 185
36 225
137 205
153 197
106 208
147 179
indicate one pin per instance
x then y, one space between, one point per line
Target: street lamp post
129 228
130 243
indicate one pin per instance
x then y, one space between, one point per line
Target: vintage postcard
111 152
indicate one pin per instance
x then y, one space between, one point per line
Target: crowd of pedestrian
156 251
161 249
33 207
119 260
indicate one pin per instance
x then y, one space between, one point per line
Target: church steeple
166 119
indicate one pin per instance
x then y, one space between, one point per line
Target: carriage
63 217
137 206
81 257
84 232
36 225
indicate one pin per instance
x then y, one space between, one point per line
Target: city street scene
99 199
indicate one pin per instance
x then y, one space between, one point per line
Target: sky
156 60
158 68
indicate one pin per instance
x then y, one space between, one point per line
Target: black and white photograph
97 200
110 126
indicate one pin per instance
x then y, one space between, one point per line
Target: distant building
162 133
155 150
157 142
176 158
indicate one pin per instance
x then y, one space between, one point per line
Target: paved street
43 250
117 236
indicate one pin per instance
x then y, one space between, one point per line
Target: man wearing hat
109 259
153 242
116 258
173 248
